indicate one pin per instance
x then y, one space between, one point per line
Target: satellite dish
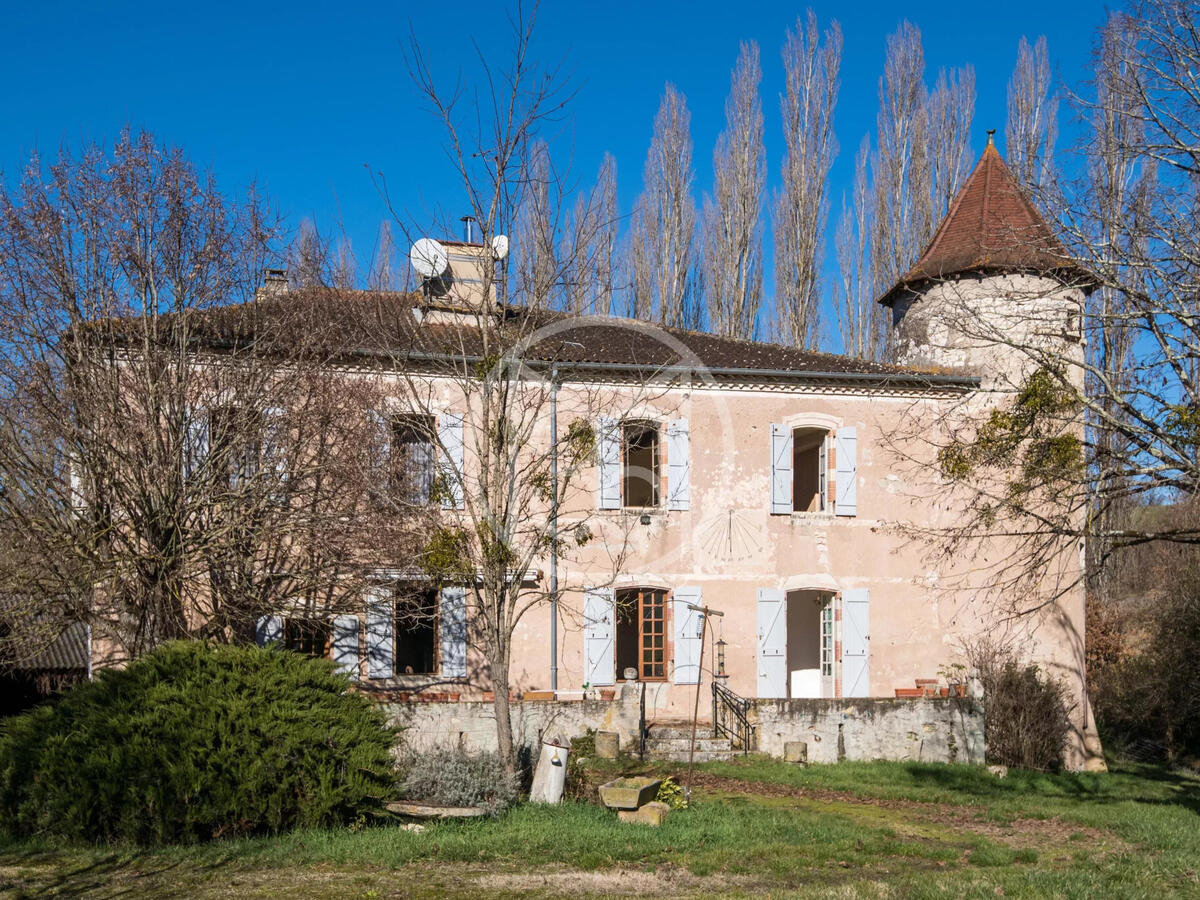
500 246
428 257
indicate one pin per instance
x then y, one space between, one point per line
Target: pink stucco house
778 487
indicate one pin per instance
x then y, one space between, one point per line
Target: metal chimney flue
468 229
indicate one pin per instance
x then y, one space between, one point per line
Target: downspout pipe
554 527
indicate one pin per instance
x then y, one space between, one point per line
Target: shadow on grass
47 872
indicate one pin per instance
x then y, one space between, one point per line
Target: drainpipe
554 527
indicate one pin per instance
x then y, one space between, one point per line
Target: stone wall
921 730
924 730
471 724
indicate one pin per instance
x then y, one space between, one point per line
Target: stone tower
993 291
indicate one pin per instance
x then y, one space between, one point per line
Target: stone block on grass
653 813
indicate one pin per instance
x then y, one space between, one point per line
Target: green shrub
671 793
462 779
194 742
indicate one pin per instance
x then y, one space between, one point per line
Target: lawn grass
755 826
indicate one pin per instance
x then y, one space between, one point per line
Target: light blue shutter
678 465
268 630
781 470
345 644
381 632
275 450
608 461
856 635
454 632
380 436
450 434
772 643
688 625
846 450
598 621
195 439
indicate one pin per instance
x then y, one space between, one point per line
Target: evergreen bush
194 742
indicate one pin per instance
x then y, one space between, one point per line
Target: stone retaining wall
921 730
471 724
924 730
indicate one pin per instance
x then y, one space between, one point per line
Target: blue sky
303 96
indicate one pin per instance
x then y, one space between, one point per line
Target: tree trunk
504 733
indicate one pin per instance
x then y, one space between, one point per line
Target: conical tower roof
991 228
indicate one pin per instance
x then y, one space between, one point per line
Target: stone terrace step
676 749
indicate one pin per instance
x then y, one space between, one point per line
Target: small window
810 470
308 637
411 477
640 468
641 633
416 630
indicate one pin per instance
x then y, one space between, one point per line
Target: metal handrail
731 716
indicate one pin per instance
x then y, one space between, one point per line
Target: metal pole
687 788
554 528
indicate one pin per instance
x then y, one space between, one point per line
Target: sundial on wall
729 536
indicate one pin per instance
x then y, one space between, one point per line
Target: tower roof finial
991 133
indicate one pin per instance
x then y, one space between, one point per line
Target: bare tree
862 321
382 276
507 502
949 110
1032 124
663 240
901 164
812 62
150 425
591 245
732 226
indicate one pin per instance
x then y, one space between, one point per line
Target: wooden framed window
809 470
641 633
640 474
309 637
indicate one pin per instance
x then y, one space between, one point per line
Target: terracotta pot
960 690
608 695
945 692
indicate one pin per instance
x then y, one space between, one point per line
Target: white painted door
772 643
599 617
856 640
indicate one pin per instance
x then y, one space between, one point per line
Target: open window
809 470
641 633
640 474
416 630
413 456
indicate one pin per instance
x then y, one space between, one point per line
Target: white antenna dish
500 246
428 257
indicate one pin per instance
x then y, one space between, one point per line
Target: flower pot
608 695
945 692
960 690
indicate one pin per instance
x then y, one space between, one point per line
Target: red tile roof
991 227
